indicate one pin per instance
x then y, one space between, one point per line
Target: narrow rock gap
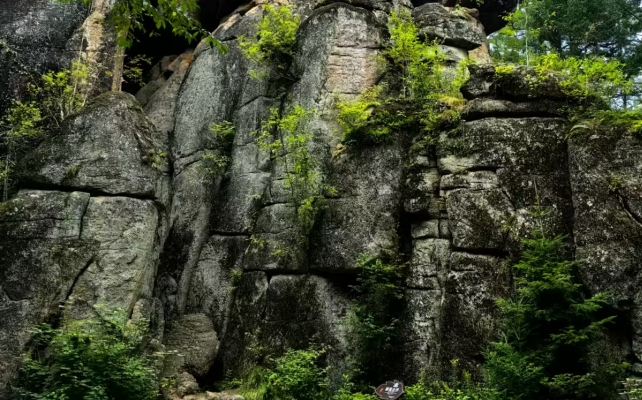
91 191
511 115
77 278
482 252
629 211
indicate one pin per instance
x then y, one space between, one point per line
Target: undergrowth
103 359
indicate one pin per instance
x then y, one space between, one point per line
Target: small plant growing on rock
419 94
273 47
217 157
102 358
54 97
286 139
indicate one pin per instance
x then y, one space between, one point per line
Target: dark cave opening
156 44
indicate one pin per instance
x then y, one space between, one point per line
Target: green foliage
464 389
420 93
101 359
285 137
49 101
599 29
629 122
355 117
127 17
60 94
585 77
548 329
371 323
133 69
348 391
273 47
632 389
297 375
217 157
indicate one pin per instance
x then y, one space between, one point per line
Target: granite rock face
92 232
117 207
33 39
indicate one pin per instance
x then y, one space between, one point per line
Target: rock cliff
116 209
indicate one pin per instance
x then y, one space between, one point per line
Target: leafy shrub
548 328
632 389
49 101
297 375
273 47
420 93
371 323
102 359
584 77
449 391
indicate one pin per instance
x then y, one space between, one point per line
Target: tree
549 328
574 28
128 16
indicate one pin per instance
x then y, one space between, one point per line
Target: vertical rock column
508 156
425 223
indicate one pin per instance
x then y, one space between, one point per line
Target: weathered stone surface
492 12
363 219
422 325
245 324
477 180
515 84
160 105
122 269
607 196
189 221
479 220
303 310
213 281
194 338
429 264
458 28
421 190
33 39
529 158
67 246
421 322
469 311
109 147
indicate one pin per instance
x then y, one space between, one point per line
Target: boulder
195 342
458 28
110 147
